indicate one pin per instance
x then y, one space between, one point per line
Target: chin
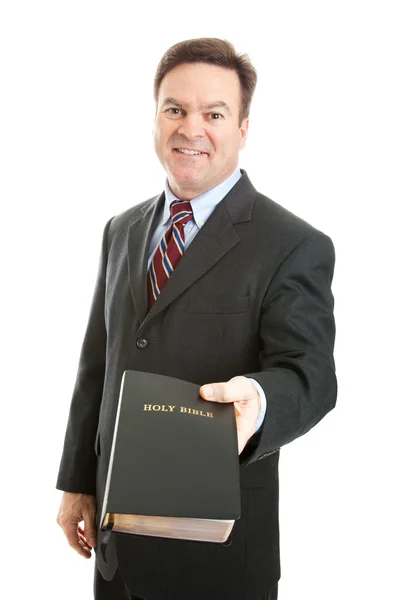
186 177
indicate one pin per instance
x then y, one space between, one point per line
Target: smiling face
198 110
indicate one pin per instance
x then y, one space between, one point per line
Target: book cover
174 454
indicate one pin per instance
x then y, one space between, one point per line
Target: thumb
90 530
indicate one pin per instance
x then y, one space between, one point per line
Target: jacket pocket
217 304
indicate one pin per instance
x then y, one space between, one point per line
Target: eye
218 115
173 111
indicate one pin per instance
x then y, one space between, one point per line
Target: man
231 292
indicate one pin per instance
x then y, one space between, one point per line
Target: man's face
198 109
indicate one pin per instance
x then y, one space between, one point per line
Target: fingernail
208 391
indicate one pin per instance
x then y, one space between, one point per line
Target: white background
76 148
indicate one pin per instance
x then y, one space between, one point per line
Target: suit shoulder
124 219
269 214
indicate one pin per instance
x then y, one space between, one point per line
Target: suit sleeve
297 330
77 471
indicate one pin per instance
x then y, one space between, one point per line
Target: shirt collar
204 204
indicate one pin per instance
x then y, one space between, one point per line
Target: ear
155 114
243 131
154 123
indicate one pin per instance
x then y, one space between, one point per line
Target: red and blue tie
169 250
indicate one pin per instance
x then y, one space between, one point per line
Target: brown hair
211 51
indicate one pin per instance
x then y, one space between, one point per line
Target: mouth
189 152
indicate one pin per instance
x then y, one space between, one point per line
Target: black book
174 466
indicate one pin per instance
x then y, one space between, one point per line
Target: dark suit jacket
251 296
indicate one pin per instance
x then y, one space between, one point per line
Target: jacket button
142 343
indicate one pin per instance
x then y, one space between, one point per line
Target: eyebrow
210 105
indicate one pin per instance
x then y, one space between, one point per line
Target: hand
243 393
74 509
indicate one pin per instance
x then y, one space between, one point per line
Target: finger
90 531
81 532
82 536
237 389
83 543
74 541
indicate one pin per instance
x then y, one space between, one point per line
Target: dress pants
116 590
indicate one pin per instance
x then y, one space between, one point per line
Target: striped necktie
169 250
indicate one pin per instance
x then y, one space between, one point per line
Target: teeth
188 151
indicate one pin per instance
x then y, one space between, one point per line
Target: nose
192 126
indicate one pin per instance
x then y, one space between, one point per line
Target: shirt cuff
263 399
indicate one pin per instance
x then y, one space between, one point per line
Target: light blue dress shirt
202 207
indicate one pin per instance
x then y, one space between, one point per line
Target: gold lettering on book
159 407
193 411
182 409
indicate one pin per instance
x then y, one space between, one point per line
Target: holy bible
174 465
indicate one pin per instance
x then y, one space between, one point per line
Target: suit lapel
217 237
139 237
